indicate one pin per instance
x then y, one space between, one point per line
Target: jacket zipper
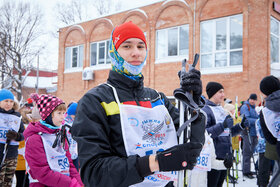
135 97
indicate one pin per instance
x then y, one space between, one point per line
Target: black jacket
97 129
12 149
272 102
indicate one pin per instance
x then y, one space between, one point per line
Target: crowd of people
122 133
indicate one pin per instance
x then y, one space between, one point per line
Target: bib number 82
202 160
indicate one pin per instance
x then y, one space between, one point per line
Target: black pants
215 178
20 174
264 170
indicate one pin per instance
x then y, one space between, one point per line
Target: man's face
133 51
252 102
218 98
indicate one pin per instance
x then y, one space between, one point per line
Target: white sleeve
215 164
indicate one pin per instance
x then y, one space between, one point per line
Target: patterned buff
121 66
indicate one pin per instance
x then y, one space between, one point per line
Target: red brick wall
163 76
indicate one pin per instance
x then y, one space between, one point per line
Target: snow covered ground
242 182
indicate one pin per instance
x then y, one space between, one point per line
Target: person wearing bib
270 122
220 127
205 162
47 153
73 146
126 132
11 129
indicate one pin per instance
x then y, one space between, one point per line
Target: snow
243 181
165 2
139 10
44 82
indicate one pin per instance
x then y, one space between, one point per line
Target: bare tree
77 11
19 30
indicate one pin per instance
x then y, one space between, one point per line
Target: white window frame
176 58
100 66
228 68
277 36
79 61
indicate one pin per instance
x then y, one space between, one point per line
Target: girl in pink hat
47 153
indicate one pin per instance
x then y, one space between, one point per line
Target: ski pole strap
187 123
186 98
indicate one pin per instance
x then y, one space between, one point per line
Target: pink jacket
37 160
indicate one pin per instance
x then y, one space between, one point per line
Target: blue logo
133 122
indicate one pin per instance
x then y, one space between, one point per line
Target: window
172 42
274 40
221 44
99 53
74 57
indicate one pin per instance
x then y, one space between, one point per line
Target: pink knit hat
46 103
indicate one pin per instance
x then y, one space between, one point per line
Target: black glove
190 81
244 123
179 157
228 161
228 122
11 135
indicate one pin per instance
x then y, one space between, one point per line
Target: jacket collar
120 81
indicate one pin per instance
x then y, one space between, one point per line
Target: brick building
238 43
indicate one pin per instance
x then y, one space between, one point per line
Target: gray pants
248 150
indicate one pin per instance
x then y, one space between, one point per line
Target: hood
35 128
272 102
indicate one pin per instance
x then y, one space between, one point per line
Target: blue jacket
251 115
222 143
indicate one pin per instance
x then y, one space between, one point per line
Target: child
73 147
11 128
49 161
21 168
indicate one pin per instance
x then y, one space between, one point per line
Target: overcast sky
49 59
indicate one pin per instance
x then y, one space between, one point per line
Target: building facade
238 43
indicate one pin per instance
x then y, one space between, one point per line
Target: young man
220 126
125 131
249 143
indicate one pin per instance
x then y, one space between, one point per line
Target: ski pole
250 142
237 156
228 170
183 136
237 162
5 152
